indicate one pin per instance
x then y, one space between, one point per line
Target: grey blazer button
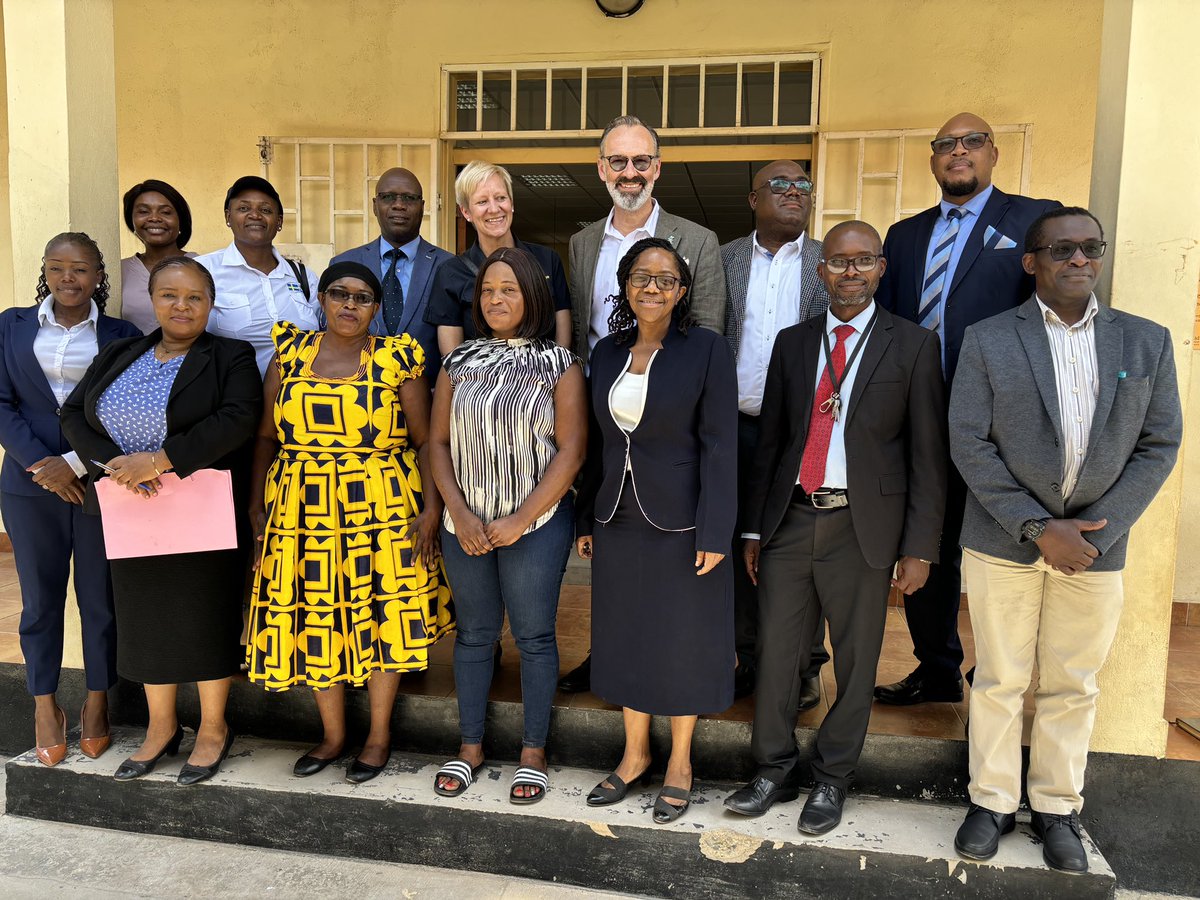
1056 487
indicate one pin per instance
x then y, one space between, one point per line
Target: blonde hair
473 175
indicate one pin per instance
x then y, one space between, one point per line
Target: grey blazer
695 243
1006 433
736 257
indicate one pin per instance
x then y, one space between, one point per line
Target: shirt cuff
751 536
71 458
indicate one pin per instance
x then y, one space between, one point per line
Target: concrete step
884 847
579 571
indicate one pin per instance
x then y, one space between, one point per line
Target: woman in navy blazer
44 350
656 516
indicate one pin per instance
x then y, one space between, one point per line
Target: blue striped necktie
932 293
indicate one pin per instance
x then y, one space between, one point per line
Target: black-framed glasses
662 282
618 163
1064 250
345 298
783 185
840 264
387 199
973 141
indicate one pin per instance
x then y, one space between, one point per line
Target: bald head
964 172
398 206
780 218
851 268
855 233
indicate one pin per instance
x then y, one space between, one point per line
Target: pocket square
994 240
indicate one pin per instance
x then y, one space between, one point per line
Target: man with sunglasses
1064 422
771 275
404 261
948 267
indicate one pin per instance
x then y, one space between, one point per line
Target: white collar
649 227
46 313
1049 315
759 248
858 323
233 257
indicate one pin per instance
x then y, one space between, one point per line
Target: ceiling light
619 9
548 181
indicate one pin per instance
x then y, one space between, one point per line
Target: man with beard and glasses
949 267
629 165
846 501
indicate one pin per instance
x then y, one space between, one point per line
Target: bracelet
157 473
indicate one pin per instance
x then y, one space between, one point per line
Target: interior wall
10 292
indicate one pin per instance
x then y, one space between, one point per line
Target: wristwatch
1032 529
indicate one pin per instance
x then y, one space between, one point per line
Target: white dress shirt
249 303
772 304
64 355
1073 350
613 247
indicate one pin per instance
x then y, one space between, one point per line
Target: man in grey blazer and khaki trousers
1064 422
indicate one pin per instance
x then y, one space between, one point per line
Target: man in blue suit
949 267
405 262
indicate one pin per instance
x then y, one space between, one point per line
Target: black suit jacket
212 412
683 453
896 443
987 280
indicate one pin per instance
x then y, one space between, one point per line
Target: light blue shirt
971 211
404 265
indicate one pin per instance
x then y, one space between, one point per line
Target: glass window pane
683 101
758 86
462 94
795 93
603 96
645 95
565 97
497 101
720 96
531 100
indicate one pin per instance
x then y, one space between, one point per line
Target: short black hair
1035 235
182 210
538 320
622 320
184 262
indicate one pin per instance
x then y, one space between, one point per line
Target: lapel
924 231
1110 347
810 256
422 267
869 358
667 228
739 277
591 252
26 331
1032 332
120 362
196 361
810 349
106 330
993 212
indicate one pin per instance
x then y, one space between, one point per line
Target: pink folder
189 515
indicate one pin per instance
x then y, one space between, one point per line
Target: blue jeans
523 579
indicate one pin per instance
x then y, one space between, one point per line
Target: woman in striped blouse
508 436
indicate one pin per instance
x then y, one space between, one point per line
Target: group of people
752 443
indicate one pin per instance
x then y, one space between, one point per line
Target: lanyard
834 404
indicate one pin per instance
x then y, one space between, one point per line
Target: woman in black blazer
178 399
656 517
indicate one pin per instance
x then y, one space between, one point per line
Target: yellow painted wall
8 293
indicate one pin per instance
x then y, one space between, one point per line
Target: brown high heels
54 754
92 747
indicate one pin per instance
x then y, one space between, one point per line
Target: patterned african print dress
339 593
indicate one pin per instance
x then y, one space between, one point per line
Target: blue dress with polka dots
133 409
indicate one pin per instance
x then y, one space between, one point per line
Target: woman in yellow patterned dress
349 588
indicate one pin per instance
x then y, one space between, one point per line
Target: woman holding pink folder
179 399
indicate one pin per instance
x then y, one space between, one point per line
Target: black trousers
812 570
932 612
745 594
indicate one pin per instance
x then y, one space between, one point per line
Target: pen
111 471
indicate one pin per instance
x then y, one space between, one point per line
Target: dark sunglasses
783 185
618 163
972 141
1064 250
345 298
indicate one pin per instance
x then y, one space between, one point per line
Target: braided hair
621 321
76 239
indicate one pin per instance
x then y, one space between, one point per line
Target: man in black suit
847 501
949 267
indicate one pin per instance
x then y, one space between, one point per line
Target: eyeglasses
840 264
972 141
783 185
1064 250
407 199
662 282
345 298
618 163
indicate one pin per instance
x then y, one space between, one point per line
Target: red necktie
820 424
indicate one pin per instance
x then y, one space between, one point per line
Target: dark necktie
820 423
393 293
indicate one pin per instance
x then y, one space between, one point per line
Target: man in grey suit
771 275
405 262
1064 422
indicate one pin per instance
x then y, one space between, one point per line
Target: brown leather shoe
92 747
54 754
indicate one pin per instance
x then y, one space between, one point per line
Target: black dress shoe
823 809
759 795
579 679
917 687
810 693
190 774
132 768
744 680
979 835
1062 846
360 771
310 765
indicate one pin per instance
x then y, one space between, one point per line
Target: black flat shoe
822 810
606 796
916 687
810 693
1062 843
665 812
759 795
579 679
190 774
979 835
360 771
744 680
132 768
311 765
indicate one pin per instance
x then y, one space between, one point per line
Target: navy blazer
986 282
428 260
30 428
683 453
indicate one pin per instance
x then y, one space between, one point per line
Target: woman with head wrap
349 587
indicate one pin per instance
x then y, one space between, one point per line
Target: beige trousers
1021 614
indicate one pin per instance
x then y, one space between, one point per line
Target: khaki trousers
1021 614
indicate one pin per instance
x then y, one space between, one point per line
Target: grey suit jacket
736 258
695 243
1006 432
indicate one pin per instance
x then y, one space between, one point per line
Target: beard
961 188
844 302
630 202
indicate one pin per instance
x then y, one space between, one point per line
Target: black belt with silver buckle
822 498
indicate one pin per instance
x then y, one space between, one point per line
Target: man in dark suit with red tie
949 267
847 501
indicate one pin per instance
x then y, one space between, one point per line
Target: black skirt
662 636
